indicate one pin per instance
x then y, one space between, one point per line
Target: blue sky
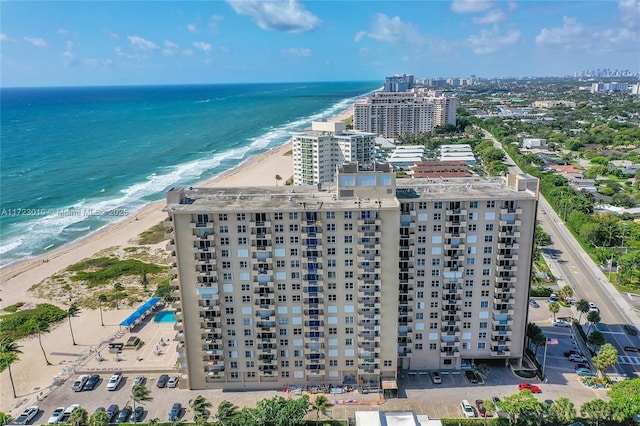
56 43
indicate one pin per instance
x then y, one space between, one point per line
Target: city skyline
130 43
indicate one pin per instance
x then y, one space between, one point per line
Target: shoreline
31 375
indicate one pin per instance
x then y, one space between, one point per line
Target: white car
114 381
467 409
577 358
560 323
593 307
57 413
173 381
79 383
27 415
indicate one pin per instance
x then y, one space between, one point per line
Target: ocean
73 160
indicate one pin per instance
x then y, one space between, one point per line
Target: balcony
506 268
501 353
504 289
506 246
194 225
516 210
508 257
504 233
449 352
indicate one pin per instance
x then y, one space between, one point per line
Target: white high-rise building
317 152
392 114
279 285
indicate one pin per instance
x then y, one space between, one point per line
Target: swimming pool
165 316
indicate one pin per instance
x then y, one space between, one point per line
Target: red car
527 386
481 408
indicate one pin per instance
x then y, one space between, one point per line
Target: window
226 265
278 227
467 303
491 204
348 297
348 227
483 324
246 299
433 325
468 283
422 250
488 250
435 294
231 321
348 320
484 293
331 215
348 239
471 261
348 363
437 205
224 241
419 315
279 240
433 315
348 342
466 325
348 215
388 363
331 239
333 363
295 297
473 227
294 240
466 314
283 332
488 238
277 216
242 241
293 215
293 252
437 228
486 261
486 272
330 226
333 331
417 346
348 250
222 217
486 283
348 286
348 262
348 274
473 204
437 216
293 227
482 335
488 227
332 274
227 276
484 304
332 297
331 251
245 287
434 261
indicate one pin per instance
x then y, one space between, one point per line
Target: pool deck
150 357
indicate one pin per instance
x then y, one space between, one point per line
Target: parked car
593 307
560 323
572 352
482 410
114 381
632 330
64 418
138 413
162 381
499 411
57 413
553 297
80 382
577 358
467 409
99 409
174 414
472 376
139 380
112 411
586 372
27 415
435 377
92 382
173 381
529 387
533 303
124 414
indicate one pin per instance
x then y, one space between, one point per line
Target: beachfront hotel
349 282
319 151
392 114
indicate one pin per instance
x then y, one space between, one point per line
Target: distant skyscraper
398 83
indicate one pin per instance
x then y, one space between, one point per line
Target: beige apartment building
319 151
349 282
392 114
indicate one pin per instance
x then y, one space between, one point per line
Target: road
572 266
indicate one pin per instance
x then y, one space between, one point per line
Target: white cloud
37 42
391 30
471 6
492 17
571 35
140 43
170 48
98 63
113 36
630 11
193 28
213 23
296 52
4 37
282 15
62 31
493 41
202 46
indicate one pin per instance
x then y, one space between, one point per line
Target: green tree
563 411
565 293
80 417
37 325
73 311
9 353
596 338
118 289
320 405
583 307
607 357
554 307
101 418
102 298
594 318
201 409
140 394
5 418
154 422
523 408
145 281
625 398
281 411
483 370
596 409
227 411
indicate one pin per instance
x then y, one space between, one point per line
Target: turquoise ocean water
73 160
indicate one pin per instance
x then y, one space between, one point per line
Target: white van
467 409
79 383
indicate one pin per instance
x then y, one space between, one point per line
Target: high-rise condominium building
317 152
349 284
392 114
399 83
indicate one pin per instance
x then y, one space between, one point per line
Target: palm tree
145 281
226 411
563 410
101 418
607 357
565 293
72 312
596 338
320 405
594 318
102 298
554 307
583 307
118 288
278 179
79 417
37 325
9 353
596 409
201 408
140 394
5 418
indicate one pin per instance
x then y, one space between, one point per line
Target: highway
572 266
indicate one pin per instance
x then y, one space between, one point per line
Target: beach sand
31 375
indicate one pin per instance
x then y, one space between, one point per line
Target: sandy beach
31 375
